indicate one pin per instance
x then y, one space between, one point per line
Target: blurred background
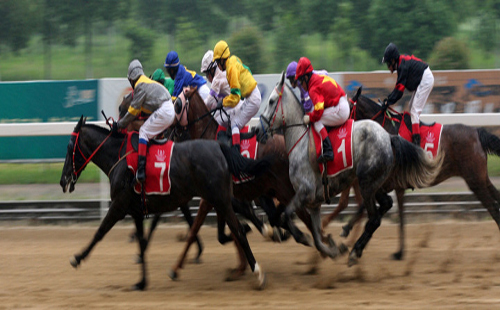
92 39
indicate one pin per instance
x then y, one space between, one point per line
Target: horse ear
358 93
79 125
282 80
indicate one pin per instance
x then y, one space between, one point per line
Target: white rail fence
14 209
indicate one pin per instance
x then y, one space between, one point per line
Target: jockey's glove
115 128
219 105
306 119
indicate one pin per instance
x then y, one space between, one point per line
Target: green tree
289 43
415 26
344 35
450 54
247 45
16 26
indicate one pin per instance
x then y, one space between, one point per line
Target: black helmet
391 52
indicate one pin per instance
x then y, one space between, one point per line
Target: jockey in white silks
219 90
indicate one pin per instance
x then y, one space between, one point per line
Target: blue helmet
172 60
291 69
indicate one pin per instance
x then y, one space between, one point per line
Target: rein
284 126
387 114
87 160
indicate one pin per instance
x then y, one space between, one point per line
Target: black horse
465 148
198 168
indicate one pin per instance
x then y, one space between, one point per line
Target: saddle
407 120
134 140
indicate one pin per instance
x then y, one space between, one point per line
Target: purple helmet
291 69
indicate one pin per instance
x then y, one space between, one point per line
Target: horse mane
295 96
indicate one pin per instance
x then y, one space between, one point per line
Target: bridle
186 109
284 126
76 172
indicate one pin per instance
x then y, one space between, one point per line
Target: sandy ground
449 265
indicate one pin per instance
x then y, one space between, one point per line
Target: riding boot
327 151
141 164
416 139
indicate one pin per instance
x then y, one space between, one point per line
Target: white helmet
207 61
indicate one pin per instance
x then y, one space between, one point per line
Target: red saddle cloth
248 148
341 138
157 167
430 136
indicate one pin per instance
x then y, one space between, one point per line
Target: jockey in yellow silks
242 86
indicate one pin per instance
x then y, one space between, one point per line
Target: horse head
363 107
283 110
69 175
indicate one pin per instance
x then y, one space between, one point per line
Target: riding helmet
391 52
303 67
221 50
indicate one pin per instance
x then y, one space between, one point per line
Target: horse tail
413 167
242 167
489 142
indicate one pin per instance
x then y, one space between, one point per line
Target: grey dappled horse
380 161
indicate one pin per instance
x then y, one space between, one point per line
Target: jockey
242 86
184 77
414 75
330 103
159 77
152 98
219 89
304 95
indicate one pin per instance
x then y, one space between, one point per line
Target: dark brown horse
274 183
197 168
466 153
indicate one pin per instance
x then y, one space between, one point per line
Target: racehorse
197 168
465 148
274 183
380 161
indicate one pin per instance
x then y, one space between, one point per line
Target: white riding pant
420 96
204 91
157 122
242 113
334 116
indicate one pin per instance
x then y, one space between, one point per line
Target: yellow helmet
221 50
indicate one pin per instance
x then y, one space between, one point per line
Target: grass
50 173
41 173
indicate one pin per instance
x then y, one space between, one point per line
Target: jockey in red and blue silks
414 75
184 77
304 95
330 103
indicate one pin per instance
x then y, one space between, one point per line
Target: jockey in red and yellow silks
330 103
242 86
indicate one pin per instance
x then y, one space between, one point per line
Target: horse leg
193 232
143 243
346 229
240 236
115 214
400 193
374 220
483 190
245 208
189 219
240 270
332 250
343 203
288 224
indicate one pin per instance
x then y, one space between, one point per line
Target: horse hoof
73 262
276 236
262 282
139 286
309 240
234 274
196 261
173 275
397 256
353 259
138 259
345 232
343 249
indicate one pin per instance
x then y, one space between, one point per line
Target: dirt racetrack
449 265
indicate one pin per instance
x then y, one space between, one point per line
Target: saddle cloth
341 138
430 135
248 148
157 166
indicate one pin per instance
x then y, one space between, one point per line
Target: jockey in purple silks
304 95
